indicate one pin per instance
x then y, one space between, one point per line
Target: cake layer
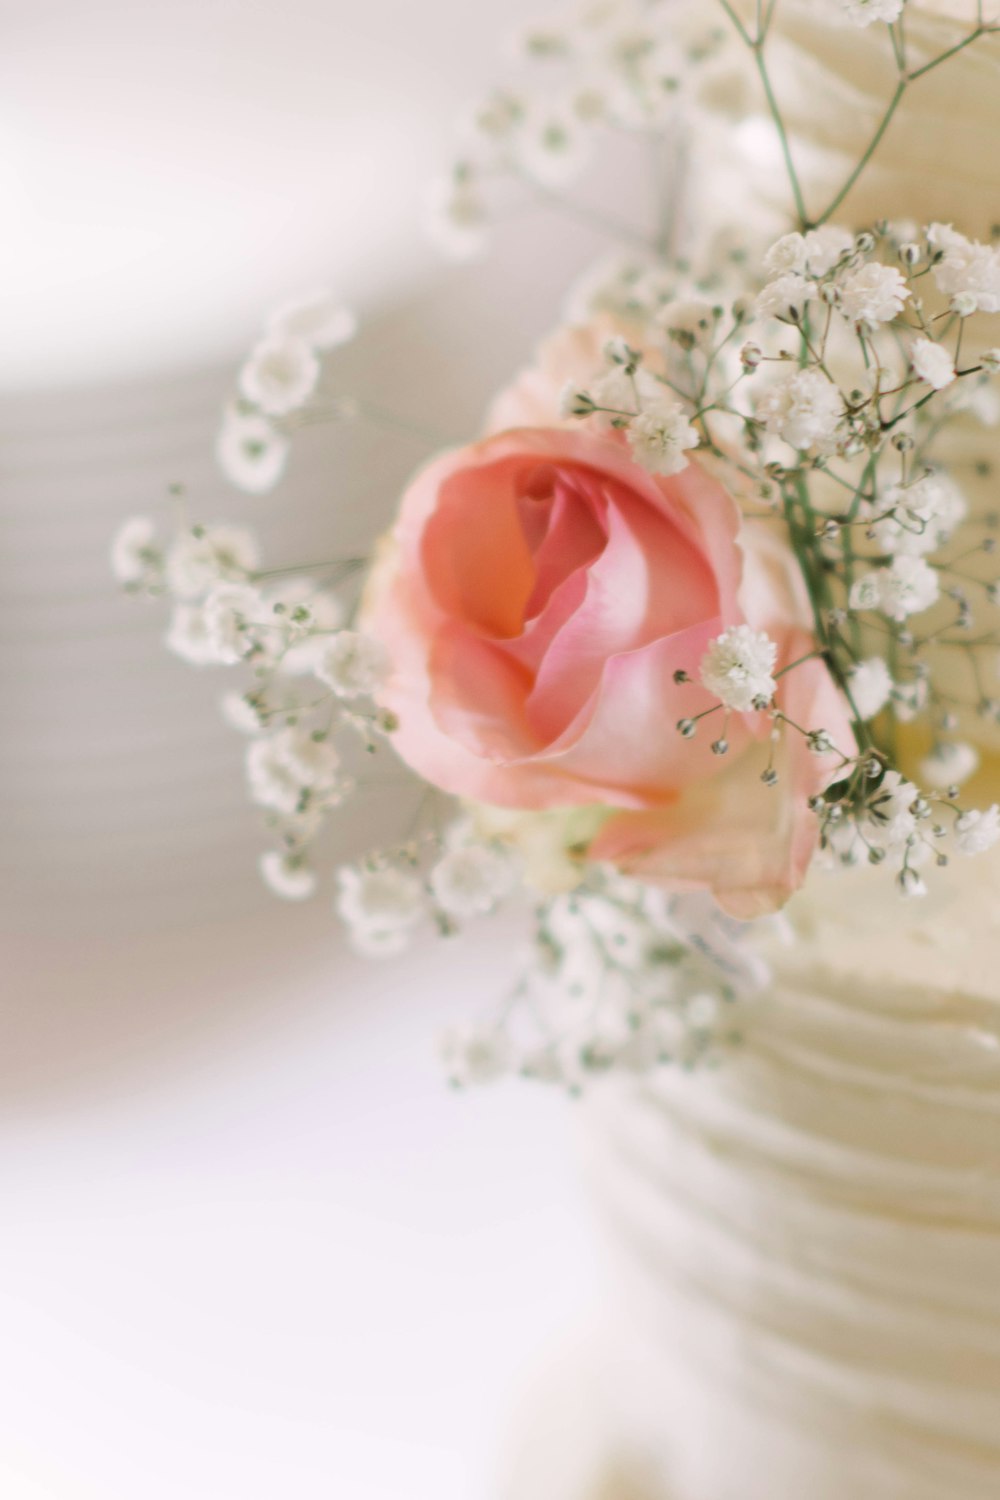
809 1236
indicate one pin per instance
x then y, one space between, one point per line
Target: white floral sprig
277 383
616 66
445 878
620 977
834 419
311 678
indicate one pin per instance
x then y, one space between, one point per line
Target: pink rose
538 594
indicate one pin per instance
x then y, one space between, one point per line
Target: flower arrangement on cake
714 596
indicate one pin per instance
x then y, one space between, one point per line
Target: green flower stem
810 656
779 125
869 152
343 565
935 62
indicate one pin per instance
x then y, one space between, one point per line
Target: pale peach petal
566 531
626 737
649 582
475 557
749 844
477 695
530 647
772 593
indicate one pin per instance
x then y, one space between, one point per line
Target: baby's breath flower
915 519
978 830
803 407
862 13
241 713
911 883
622 389
188 636
231 612
826 247
573 402
738 667
380 903
469 880
966 271
907 587
891 812
456 217
553 146
287 769
250 451
306 614
136 557
785 255
949 764
660 436
379 942
910 699
352 663
689 323
209 555
990 361
979 399
932 363
496 117
870 686
475 1054
317 318
280 375
873 293
785 297
287 875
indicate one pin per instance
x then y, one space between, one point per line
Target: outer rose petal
749 844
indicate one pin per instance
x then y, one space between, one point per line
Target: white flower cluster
804 407
615 65
899 826
280 375
622 976
310 676
966 271
738 667
660 295
908 586
384 899
628 397
864 13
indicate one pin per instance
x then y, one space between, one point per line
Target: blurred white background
252 1247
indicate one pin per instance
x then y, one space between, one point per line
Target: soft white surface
808 1240
253 1246
169 169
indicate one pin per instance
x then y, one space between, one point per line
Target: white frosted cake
807 1240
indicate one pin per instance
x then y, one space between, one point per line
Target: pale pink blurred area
252 1244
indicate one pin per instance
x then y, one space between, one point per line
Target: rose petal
747 843
626 739
648 582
